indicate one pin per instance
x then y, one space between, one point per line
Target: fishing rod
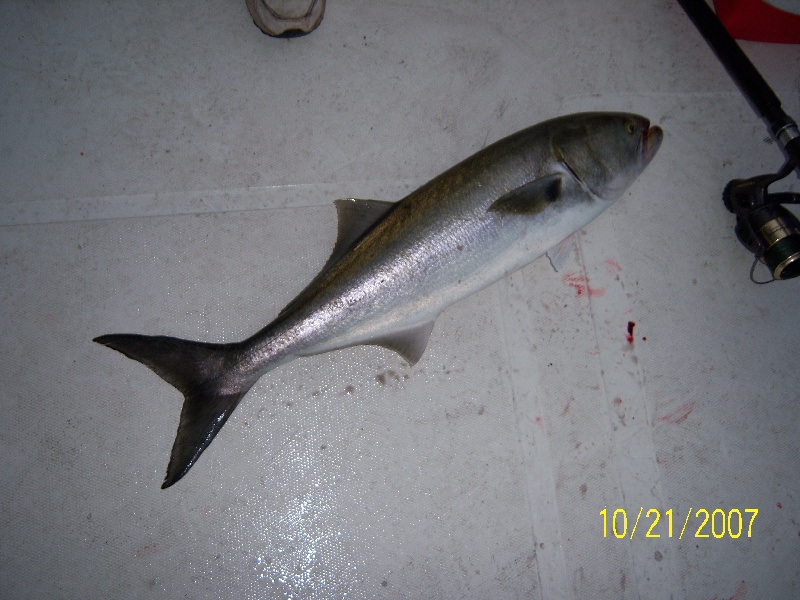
763 225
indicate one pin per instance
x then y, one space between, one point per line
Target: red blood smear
613 267
679 415
779 505
145 550
741 591
580 284
629 337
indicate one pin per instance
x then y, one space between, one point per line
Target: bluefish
397 265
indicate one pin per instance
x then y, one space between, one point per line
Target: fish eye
630 126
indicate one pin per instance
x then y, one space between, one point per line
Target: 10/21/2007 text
719 523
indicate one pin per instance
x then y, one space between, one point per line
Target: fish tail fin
203 373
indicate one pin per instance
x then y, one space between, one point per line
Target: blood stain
679 415
629 335
580 284
612 266
145 550
741 591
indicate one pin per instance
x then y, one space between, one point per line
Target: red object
760 21
629 337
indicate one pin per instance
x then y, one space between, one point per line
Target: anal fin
409 343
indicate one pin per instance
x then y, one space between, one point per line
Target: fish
396 266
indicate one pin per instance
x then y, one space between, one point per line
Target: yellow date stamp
716 523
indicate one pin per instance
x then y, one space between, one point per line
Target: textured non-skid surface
171 170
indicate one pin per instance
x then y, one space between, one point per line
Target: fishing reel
766 228
763 225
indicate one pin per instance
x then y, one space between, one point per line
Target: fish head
605 152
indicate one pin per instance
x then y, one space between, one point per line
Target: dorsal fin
531 198
355 217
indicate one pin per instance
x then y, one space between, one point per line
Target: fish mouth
650 142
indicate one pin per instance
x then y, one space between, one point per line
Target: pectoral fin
531 198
